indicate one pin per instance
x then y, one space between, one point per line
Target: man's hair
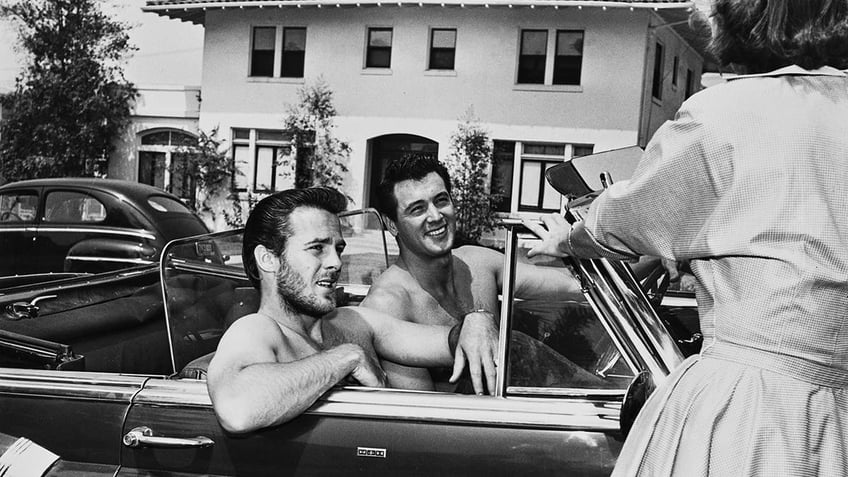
764 35
410 167
268 223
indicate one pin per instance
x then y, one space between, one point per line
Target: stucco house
548 79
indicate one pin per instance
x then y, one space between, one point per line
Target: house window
531 60
262 52
379 50
531 191
442 48
556 63
676 65
259 156
569 57
294 50
690 83
657 85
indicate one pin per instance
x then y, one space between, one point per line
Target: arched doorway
388 148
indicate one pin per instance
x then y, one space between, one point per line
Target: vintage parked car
107 371
87 225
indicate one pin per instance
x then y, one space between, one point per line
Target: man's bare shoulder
479 256
390 293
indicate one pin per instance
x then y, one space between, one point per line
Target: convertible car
106 375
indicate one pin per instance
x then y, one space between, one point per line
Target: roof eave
195 12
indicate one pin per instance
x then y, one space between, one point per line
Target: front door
151 168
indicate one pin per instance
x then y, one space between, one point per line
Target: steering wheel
4 217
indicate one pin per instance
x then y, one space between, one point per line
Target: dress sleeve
666 208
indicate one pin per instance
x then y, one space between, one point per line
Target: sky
170 52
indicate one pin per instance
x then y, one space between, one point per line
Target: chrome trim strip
136 261
140 233
396 404
70 385
29 228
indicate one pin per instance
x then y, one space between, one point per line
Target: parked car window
167 204
73 207
18 206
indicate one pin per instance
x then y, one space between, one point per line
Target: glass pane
567 70
72 207
550 197
557 150
504 157
292 64
241 134
441 59
531 175
578 151
561 343
379 58
380 37
534 42
294 39
271 135
264 168
444 39
167 204
18 206
569 43
161 138
365 256
182 139
241 157
264 38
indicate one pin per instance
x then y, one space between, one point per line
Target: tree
202 167
71 101
469 163
320 158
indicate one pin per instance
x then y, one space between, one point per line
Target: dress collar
795 70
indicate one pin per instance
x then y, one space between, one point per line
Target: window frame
367 65
550 61
252 147
433 49
253 50
301 67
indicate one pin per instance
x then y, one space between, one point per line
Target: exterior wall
657 111
157 107
604 111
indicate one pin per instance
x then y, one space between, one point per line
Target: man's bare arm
534 282
474 342
251 390
395 303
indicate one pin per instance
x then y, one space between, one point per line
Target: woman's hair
763 35
268 224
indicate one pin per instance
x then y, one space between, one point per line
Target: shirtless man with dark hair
272 365
432 282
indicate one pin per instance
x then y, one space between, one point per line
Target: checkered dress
750 183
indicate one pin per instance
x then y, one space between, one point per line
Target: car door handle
143 437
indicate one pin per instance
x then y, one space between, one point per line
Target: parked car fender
104 254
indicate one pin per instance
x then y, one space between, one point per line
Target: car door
563 375
18 220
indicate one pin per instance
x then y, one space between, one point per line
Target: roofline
164 9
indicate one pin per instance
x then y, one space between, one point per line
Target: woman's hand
555 236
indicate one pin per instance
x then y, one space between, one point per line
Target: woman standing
750 184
